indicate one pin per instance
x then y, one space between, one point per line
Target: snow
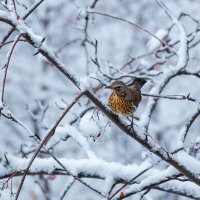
184 187
182 51
36 38
144 119
4 15
88 126
109 181
91 166
181 137
67 187
152 179
1 104
11 8
153 43
171 70
62 132
86 141
82 13
6 194
189 162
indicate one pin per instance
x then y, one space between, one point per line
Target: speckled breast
120 105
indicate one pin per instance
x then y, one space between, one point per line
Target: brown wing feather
135 95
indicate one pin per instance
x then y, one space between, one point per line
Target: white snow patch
62 132
184 187
192 164
91 166
82 13
153 43
88 126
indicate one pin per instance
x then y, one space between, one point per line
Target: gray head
119 87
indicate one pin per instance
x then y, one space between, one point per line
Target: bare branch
172 97
133 24
24 17
46 139
7 64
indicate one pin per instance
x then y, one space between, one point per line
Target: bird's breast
120 105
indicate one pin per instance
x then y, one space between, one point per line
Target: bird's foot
147 135
131 123
130 126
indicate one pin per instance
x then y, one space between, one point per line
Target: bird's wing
138 82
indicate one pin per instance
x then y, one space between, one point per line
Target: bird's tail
138 81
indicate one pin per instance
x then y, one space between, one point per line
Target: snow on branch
74 133
140 179
171 71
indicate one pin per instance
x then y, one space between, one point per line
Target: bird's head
119 87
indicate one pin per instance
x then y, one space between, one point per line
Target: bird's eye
117 87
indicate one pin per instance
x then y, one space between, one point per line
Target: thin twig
172 97
189 124
131 181
147 191
24 17
67 187
49 134
67 44
11 116
7 64
138 136
134 24
150 185
86 36
77 178
6 43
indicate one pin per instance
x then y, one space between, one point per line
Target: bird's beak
108 87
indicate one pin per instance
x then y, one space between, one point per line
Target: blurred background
36 93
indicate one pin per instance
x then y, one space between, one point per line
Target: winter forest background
56 57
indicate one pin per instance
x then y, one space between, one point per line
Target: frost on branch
57 58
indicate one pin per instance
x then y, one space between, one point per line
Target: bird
125 98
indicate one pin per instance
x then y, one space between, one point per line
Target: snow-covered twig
88 168
133 24
185 189
12 8
172 71
151 181
5 112
143 139
66 188
49 134
76 135
35 5
184 131
11 41
81 140
131 181
172 97
9 54
84 14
